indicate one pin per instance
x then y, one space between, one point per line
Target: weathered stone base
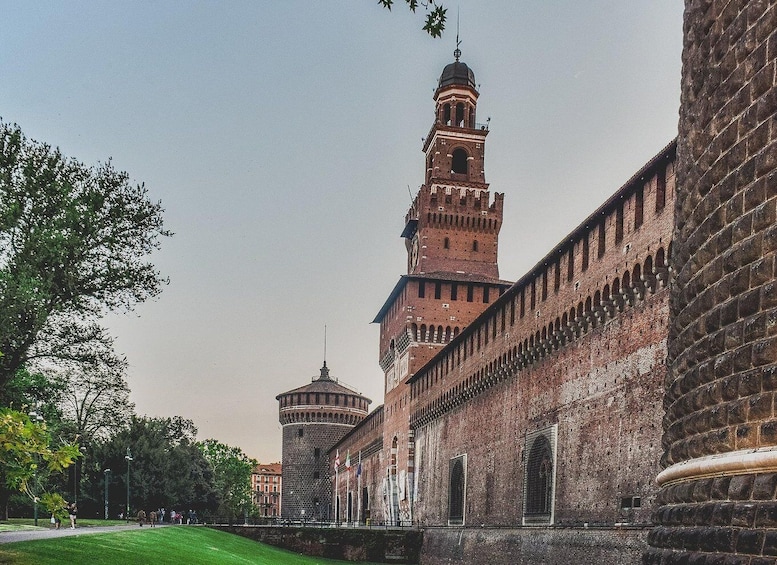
533 546
707 521
374 545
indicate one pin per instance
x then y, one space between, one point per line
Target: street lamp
107 479
38 419
82 449
128 457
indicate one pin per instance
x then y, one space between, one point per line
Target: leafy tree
93 399
232 476
167 470
27 456
436 14
73 243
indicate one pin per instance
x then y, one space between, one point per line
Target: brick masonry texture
722 346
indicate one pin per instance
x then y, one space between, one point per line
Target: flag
348 460
337 460
359 470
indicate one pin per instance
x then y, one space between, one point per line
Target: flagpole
359 489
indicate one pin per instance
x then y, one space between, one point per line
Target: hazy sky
282 137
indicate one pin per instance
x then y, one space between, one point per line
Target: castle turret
314 417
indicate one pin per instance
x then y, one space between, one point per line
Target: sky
283 139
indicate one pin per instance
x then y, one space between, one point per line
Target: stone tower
314 417
451 233
717 502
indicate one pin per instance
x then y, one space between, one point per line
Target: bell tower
451 226
451 233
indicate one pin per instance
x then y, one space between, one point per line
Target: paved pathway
46 533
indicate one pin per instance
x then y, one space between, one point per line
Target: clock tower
451 234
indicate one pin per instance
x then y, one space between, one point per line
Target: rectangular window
485 294
457 487
600 250
454 291
317 452
437 290
571 264
638 207
544 285
557 277
421 289
619 224
470 293
585 253
533 294
660 190
523 302
512 311
300 432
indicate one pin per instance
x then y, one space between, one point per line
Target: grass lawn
161 546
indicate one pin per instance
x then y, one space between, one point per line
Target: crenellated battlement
442 204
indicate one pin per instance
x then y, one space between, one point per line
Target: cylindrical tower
717 501
314 417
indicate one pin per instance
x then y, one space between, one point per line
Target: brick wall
717 503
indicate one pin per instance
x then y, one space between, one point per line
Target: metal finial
457 52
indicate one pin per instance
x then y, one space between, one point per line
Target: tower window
475 245
446 243
317 452
485 295
470 293
459 162
585 253
638 208
602 241
660 190
316 474
454 291
446 114
460 114
421 289
300 432
437 290
619 224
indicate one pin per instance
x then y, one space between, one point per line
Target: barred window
539 476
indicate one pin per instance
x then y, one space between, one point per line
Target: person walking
72 511
141 517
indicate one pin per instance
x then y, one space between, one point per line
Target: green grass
160 546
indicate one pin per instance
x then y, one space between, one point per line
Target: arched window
459 161
538 480
460 114
446 114
456 491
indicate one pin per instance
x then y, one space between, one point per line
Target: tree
27 455
94 399
435 14
232 476
73 243
167 469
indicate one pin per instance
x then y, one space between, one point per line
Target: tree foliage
27 455
74 242
436 14
231 476
93 399
167 469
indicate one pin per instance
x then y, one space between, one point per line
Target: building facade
314 417
266 489
518 411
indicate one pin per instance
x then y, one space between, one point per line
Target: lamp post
37 419
128 457
82 449
107 479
